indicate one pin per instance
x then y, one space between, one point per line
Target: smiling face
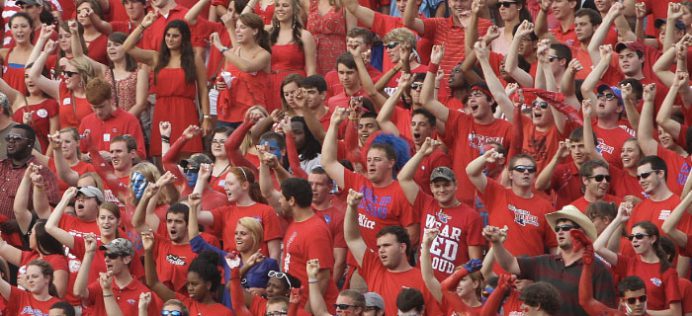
244 33
173 38
390 251
107 222
443 191
18 144
665 138
459 6
649 179
366 127
64 38
467 287
217 145
595 188
120 156
70 75
603 6
283 10
563 9
243 239
630 154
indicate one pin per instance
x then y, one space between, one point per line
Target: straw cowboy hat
573 214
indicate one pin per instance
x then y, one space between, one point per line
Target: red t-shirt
226 218
686 295
662 289
624 184
81 167
657 212
437 158
154 33
58 262
198 309
541 145
77 228
388 284
127 298
678 168
258 305
102 132
582 204
465 138
380 207
72 109
98 264
24 303
529 233
172 262
334 86
566 183
460 227
610 143
334 217
309 239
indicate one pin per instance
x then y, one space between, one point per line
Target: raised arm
542 17
503 257
587 130
48 86
152 279
543 180
12 94
426 268
411 20
384 116
21 203
512 58
267 188
567 83
62 167
106 282
670 225
147 57
645 131
600 245
427 95
237 292
77 48
601 32
316 299
586 299
351 231
589 84
674 13
405 176
377 98
449 286
258 63
201 217
665 113
139 218
195 10
496 89
663 64
628 99
54 219
80 288
475 169
505 282
328 159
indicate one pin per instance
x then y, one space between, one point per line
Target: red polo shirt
102 132
127 298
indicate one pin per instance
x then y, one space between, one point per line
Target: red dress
43 112
267 14
72 109
13 74
286 59
175 102
329 31
247 89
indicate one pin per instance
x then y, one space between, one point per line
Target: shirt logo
175 260
604 148
442 217
656 281
523 217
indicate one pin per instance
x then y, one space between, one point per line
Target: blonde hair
84 68
256 230
401 35
152 174
247 141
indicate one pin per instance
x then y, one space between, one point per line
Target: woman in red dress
264 8
95 40
248 64
69 90
14 59
179 78
327 22
293 48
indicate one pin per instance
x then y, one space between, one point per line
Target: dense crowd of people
346 157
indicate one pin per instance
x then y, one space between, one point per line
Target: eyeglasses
276 313
601 177
417 86
342 306
68 73
280 275
171 313
645 175
607 96
391 45
638 236
522 169
14 138
542 104
505 4
565 228
114 256
552 58
633 300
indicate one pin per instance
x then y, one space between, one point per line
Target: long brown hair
256 23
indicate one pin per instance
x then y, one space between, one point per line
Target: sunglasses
601 177
69 74
342 306
14 138
638 236
565 228
391 45
280 275
552 58
113 256
505 4
607 96
522 169
645 175
542 104
171 313
417 86
633 300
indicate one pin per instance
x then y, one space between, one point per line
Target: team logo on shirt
663 215
327 218
523 217
442 217
477 141
42 113
603 147
656 281
175 260
27 310
131 301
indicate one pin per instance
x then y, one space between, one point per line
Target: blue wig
400 146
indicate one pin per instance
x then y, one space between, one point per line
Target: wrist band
166 139
108 295
433 68
312 281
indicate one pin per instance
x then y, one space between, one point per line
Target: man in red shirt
324 206
517 207
107 121
307 237
387 271
359 39
126 288
465 135
348 80
459 226
595 177
563 11
312 97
